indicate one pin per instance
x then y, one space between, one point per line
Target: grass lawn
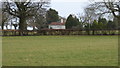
60 51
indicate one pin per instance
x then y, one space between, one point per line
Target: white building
57 25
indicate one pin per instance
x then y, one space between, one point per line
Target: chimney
61 20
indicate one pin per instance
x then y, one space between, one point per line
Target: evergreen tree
111 25
115 21
52 16
100 25
72 22
103 22
95 25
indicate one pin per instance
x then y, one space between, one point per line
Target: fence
58 32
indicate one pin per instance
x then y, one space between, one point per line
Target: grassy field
60 51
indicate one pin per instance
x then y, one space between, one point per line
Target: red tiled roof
57 23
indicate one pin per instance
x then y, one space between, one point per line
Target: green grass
60 51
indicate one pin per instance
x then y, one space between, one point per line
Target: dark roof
57 23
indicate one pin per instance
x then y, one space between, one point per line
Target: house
57 25
62 19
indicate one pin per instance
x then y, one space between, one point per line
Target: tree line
35 14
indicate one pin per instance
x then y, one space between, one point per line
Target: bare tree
5 20
113 6
39 20
88 17
24 10
5 17
107 7
14 22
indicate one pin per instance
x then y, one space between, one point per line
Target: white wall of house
57 26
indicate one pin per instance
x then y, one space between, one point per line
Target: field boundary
57 32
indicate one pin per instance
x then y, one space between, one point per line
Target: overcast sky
66 8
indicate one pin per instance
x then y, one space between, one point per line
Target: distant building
57 25
62 19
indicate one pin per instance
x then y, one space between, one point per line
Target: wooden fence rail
58 32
